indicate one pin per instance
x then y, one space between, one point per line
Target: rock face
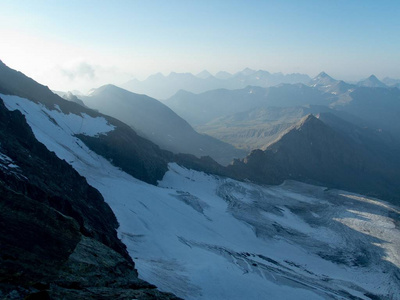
57 235
313 152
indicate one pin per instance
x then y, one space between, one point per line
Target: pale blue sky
82 44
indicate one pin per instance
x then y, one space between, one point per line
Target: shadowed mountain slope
313 152
158 123
258 127
379 108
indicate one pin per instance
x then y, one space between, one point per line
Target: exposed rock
94 271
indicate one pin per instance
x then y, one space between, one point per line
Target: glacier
201 236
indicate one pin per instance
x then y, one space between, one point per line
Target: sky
83 44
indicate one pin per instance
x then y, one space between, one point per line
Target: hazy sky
83 44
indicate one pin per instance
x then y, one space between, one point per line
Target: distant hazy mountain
313 152
74 92
158 123
199 109
379 108
258 127
323 80
327 84
219 112
204 74
379 143
223 75
371 81
391 82
163 87
70 97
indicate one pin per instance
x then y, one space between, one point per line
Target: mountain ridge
158 123
163 87
372 81
312 152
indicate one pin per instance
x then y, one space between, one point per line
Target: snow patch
71 123
8 166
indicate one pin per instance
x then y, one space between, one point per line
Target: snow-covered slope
205 237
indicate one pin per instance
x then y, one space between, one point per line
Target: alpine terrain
92 210
155 121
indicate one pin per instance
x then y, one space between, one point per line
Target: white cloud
79 71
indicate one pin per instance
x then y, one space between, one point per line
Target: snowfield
205 237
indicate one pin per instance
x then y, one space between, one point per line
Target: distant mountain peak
323 79
223 75
204 74
247 72
102 88
308 120
180 76
323 75
158 75
183 92
371 81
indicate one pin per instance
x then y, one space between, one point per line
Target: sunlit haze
80 45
